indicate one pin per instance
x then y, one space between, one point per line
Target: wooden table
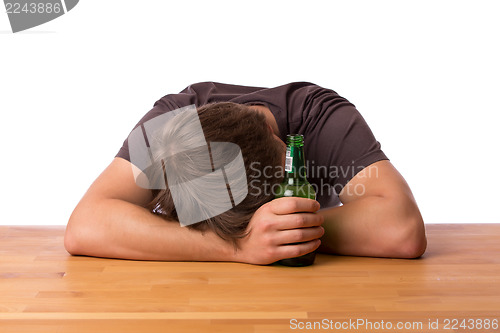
43 289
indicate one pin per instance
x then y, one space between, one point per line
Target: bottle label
288 160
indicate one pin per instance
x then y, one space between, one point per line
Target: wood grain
43 289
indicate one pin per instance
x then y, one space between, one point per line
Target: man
378 216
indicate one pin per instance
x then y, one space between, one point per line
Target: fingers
291 205
278 224
297 250
297 220
299 235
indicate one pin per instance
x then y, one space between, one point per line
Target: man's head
260 148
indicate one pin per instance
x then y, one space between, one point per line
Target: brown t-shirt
337 141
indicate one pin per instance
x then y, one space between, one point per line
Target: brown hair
248 129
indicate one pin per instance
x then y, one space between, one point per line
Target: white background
424 74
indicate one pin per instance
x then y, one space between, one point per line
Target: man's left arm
379 217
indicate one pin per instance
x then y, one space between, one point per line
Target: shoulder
218 88
305 91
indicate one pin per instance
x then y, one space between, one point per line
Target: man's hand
277 224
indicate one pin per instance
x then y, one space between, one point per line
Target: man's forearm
119 229
373 226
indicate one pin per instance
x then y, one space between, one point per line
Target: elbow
411 241
407 238
74 240
71 243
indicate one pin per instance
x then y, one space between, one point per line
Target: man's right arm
111 221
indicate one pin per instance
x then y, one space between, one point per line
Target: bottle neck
295 165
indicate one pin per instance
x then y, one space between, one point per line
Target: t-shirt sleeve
338 142
124 150
163 105
198 94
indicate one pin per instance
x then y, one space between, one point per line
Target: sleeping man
363 207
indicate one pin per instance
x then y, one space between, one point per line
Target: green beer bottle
295 184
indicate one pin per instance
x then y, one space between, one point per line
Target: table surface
44 289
